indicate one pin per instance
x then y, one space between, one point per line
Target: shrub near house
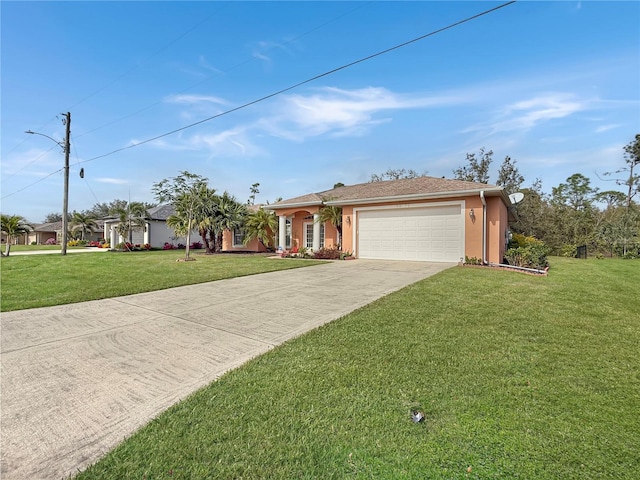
528 252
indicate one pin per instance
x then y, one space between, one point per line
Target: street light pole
66 146
65 197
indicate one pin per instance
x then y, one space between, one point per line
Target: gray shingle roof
389 190
161 212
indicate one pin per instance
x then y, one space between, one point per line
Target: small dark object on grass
417 416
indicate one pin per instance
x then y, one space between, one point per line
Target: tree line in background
574 214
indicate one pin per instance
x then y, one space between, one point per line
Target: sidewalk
78 379
69 250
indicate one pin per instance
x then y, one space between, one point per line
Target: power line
330 72
266 97
162 49
237 65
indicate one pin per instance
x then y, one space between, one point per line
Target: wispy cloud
523 115
606 128
195 100
340 112
112 181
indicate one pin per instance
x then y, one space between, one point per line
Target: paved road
77 379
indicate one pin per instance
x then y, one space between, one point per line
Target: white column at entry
147 228
316 231
113 237
282 231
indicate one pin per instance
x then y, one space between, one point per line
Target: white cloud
527 114
112 181
605 128
195 99
340 112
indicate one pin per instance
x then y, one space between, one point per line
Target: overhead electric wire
75 151
271 95
124 74
26 165
237 65
135 67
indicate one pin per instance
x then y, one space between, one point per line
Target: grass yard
29 281
520 377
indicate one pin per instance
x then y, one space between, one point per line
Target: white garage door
432 234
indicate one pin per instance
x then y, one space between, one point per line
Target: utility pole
66 147
65 198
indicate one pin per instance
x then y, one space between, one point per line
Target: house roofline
282 206
420 196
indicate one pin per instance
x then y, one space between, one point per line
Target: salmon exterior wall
496 225
227 244
496 214
497 229
297 216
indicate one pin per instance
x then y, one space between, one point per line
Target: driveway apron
78 379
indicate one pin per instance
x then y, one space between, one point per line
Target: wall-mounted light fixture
349 220
472 215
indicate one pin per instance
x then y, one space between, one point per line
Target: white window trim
233 233
305 239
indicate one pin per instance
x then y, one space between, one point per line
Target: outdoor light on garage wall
472 215
349 220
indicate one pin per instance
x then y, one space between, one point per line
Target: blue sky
554 85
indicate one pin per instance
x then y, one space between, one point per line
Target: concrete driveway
78 379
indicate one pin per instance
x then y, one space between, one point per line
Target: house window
238 238
288 235
309 235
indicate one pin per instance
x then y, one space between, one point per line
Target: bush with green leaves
528 252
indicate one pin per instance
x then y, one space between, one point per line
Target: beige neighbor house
156 233
419 219
43 232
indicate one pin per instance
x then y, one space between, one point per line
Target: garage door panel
422 233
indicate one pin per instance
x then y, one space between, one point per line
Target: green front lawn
30 281
520 377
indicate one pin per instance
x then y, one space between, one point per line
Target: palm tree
261 224
204 217
229 215
133 217
83 223
333 215
13 226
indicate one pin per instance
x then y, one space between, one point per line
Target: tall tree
132 218
477 168
103 209
183 192
261 224
532 213
573 210
632 180
509 176
13 226
395 174
229 215
82 222
254 191
53 217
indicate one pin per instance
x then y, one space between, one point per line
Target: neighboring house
44 231
156 233
424 218
232 240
